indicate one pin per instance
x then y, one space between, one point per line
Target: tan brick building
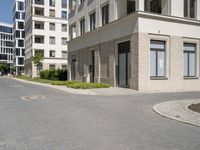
140 44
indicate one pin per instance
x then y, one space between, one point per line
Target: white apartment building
46 27
6 44
139 44
18 35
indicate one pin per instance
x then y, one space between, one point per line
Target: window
105 14
17 52
23 34
64 41
20 25
190 8
153 6
39 2
157 58
52 26
20 61
64 67
52 13
64 3
64 54
23 15
52 3
17 34
17 15
20 43
52 40
82 1
39 39
52 67
92 21
39 25
23 52
39 11
189 60
52 53
130 6
82 26
64 14
20 6
64 28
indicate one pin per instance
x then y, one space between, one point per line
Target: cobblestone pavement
40 118
178 110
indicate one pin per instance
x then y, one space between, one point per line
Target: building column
97 65
198 10
140 5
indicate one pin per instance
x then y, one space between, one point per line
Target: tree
37 59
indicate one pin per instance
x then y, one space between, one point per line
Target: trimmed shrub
54 74
81 85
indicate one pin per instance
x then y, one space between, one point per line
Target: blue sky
6 10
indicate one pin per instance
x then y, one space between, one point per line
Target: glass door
123 64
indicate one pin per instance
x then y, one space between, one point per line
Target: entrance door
123 64
92 67
73 69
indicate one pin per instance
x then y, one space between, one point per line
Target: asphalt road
64 121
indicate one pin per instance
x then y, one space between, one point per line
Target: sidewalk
178 110
112 91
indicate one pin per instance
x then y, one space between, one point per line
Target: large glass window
20 6
82 26
52 53
52 40
64 14
105 14
52 26
64 3
52 3
190 8
64 28
189 51
131 6
92 21
64 41
20 25
52 13
157 58
153 6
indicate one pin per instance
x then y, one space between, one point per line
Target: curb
178 110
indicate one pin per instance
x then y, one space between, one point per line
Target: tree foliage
37 58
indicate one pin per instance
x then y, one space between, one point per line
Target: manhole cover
33 98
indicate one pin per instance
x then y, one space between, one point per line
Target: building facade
140 44
6 44
46 28
18 36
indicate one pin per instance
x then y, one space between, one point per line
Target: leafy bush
54 74
81 85
58 82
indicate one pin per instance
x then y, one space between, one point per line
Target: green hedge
81 85
54 74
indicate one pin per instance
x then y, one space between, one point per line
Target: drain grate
33 98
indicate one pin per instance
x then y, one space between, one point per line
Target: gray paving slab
178 110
